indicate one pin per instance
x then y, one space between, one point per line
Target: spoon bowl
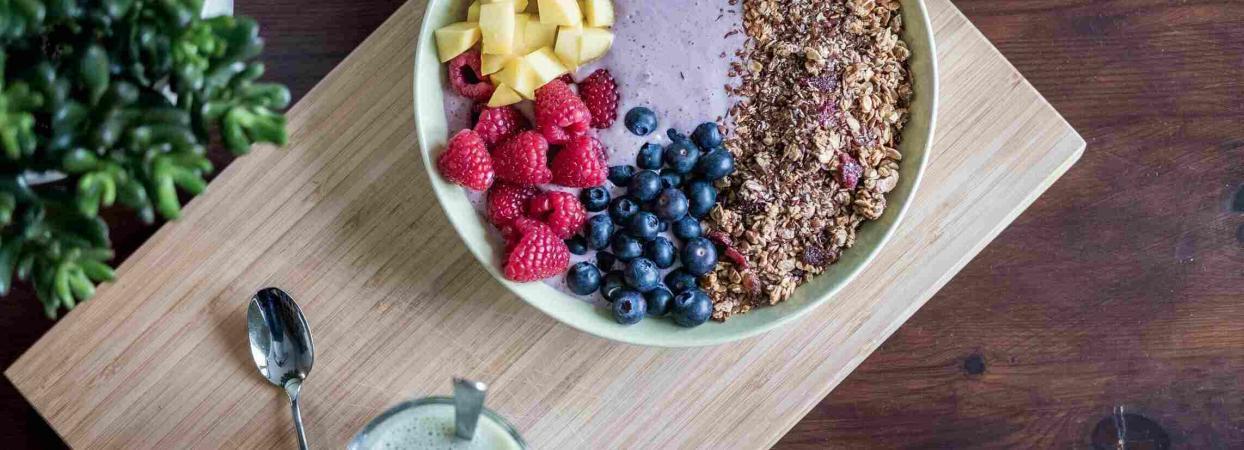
281 346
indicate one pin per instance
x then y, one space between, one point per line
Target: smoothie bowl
675 175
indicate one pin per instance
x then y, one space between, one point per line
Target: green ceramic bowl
430 84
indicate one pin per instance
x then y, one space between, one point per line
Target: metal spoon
281 345
468 404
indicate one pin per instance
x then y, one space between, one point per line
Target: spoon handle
468 403
293 388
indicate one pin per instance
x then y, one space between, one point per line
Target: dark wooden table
1118 298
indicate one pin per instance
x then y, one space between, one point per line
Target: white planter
213 8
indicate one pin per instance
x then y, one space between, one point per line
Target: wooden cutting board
344 219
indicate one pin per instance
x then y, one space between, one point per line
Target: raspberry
465 161
580 164
560 114
561 211
555 134
468 79
600 93
849 171
565 78
523 159
498 124
515 230
534 252
507 202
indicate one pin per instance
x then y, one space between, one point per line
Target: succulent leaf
122 97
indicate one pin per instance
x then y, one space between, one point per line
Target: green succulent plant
122 97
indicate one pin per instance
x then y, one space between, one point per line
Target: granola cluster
822 97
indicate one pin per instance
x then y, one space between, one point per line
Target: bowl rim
633 334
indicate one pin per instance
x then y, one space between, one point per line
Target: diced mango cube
519 5
473 12
560 12
598 13
567 46
518 76
504 95
545 64
496 23
594 43
520 31
453 39
490 64
539 34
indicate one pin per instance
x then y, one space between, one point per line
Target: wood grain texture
344 220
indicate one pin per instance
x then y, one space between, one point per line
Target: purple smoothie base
673 59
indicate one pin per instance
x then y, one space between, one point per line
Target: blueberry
675 135
680 281
642 275
707 135
621 175
595 199
660 251
691 308
701 197
681 156
626 248
622 208
599 231
614 283
649 156
629 308
641 121
577 245
583 278
665 226
643 226
670 178
715 164
659 301
699 256
671 205
687 228
604 260
644 185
